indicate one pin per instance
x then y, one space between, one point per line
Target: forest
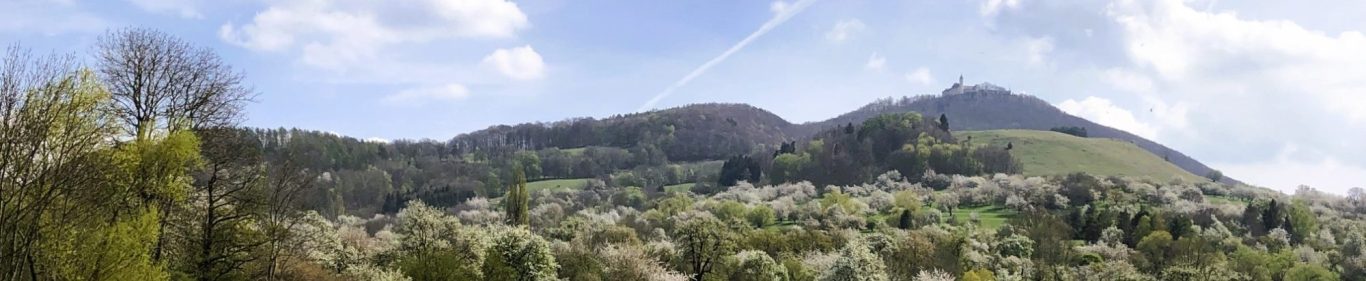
132 165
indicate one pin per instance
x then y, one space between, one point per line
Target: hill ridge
737 128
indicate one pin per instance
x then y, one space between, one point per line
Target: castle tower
960 79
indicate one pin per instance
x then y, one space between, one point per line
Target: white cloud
844 29
1182 44
448 92
876 63
1285 173
1037 49
520 63
991 8
1102 111
920 75
779 7
350 33
182 8
1257 85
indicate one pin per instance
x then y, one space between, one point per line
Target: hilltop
994 108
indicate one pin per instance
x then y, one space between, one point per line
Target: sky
1270 92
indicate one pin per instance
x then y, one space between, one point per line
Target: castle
961 88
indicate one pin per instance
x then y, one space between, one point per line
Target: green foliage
557 185
1156 247
702 240
980 274
517 254
1071 130
760 216
739 168
1215 175
1302 222
1309 272
788 167
435 247
515 202
756 266
856 263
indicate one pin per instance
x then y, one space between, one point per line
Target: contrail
777 19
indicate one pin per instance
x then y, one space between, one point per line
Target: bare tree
161 82
287 179
223 205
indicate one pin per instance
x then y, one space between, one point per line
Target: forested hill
716 131
688 133
995 110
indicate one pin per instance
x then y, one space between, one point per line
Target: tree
856 263
435 247
516 201
788 167
159 81
1215 175
943 122
1070 130
1309 272
754 265
1156 248
631 263
1080 188
1273 216
760 216
738 168
517 254
287 179
703 240
216 227
1302 222
74 204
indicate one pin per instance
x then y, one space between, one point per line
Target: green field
992 216
1043 153
556 185
682 187
1216 199
578 151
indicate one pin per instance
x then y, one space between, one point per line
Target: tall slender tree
516 201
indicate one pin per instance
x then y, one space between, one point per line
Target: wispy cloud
783 12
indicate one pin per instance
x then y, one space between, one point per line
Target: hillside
694 132
1052 153
1001 109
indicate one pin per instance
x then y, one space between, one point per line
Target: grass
557 185
682 187
992 216
578 151
1044 153
1225 200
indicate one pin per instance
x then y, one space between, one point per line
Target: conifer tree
516 201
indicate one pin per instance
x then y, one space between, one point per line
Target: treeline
691 133
853 154
366 178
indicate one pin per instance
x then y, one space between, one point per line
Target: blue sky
1269 91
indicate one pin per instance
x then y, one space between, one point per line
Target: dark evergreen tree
944 122
907 220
